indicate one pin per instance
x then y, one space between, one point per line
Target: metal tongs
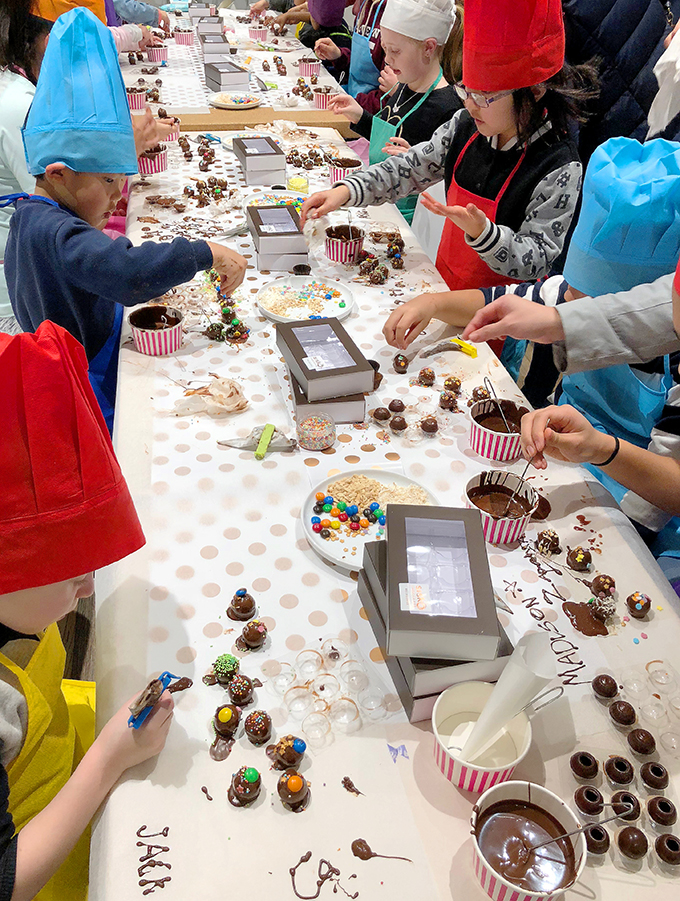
261 439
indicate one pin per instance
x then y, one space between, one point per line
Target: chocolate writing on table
150 861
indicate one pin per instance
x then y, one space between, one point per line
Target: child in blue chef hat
79 144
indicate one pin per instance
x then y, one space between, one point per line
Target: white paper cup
340 251
338 173
462 704
257 34
504 530
152 165
157 54
186 38
151 341
136 100
498 446
496 886
308 68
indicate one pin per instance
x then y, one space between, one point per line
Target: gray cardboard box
276 229
214 47
226 76
343 409
259 153
280 262
210 25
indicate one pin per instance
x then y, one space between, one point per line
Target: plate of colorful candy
343 512
269 197
227 100
304 297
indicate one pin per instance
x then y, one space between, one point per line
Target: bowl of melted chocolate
156 329
506 502
496 429
508 822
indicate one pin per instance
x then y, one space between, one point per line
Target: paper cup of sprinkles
186 38
344 243
340 169
317 432
157 54
490 492
459 706
156 329
153 161
488 435
257 34
136 97
567 859
309 67
322 95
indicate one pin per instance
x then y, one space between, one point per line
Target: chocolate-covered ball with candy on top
400 363
226 720
448 401
603 586
287 753
426 377
452 383
245 787
579 559
602 608
638 604
548 542
241 690
225 668
242 606
480 393
293 790
258 726
253 636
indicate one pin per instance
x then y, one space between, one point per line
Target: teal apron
103 367
616 401
384 129
363 73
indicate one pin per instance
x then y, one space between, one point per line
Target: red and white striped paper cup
338 173
496 886
258 34
309 67
150 165
321 98
462 704
136 100
185 38
156 330
340 251
157 54
174 134
498 446
504 530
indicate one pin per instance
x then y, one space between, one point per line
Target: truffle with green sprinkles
226 667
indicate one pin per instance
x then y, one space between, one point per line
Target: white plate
330 307
266 196
221 100
228 140
340 551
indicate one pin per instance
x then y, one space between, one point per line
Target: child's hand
230 265
408 321
149 131
471 219
325 48
395 146
323 202
163 20
515 317
565 434
258 8
121 746
344 105
387 79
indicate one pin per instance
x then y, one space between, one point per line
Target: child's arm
409 319
47 840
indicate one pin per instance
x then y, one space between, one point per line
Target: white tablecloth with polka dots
216 519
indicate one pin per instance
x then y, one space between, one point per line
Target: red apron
460 266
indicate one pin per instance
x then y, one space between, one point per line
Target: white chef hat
420 19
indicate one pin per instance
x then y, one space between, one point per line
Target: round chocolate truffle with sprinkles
632 842
258 726
579 559
583 765
589 800
622 713
667 847
605 686
619 770
662 811
548 542
641 741
638 604
452 383
603 586
597 838
426 377
654 775
626 806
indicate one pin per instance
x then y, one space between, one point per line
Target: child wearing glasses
510 167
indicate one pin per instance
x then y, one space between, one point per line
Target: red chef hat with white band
66 509
509 45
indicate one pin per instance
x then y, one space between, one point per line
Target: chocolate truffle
426 377
638 604
245 787
381 414
622 713
429 425
632 842
662 811
398 424
287 753
597 838
241 690
452 383
603 586
258 726
225 668
397 406
622 802
242 606
654 775
667 847
254 634
579 559
605 686
400 363
226 720
641 741
589 800
619 770
602 608
583 765
480 394
548 542
448 401
293 791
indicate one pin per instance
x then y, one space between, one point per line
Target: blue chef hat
628 231
80 114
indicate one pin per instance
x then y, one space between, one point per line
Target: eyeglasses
481 100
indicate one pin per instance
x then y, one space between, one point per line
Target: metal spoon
492 391
628 808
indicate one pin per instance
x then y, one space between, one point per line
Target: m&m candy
319 496
326 523
354 526
364 523
343 517
327 508
342 506
328 500
373 507
316 527
315 519
335 524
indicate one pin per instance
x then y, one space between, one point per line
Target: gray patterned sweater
535 212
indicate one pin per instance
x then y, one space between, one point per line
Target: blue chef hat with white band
628 231
80 115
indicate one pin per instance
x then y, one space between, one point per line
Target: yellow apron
59 731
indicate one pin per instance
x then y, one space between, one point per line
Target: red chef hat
509 45
65 509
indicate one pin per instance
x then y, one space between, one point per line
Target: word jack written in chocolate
149 862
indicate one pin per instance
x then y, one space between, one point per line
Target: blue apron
616 401
363 72
103 367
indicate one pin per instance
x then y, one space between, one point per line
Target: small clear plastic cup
326 686
308 663
335 652
283 680
371 704
317 730
298 701
344 715
353 676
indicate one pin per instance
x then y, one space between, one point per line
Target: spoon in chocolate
492 391
624 808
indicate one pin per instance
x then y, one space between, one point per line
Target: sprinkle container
316 433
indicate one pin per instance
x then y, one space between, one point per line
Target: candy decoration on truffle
242 606
638 604
225 723
253 636
448 401
293 791
548 542
245 787
400 363
240 690
287 753
480 393
258 726
602 608
579 559
426 377
603 586
225 668
452 383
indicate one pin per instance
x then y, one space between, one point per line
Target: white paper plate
340 551
330 307
265 197
222 101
